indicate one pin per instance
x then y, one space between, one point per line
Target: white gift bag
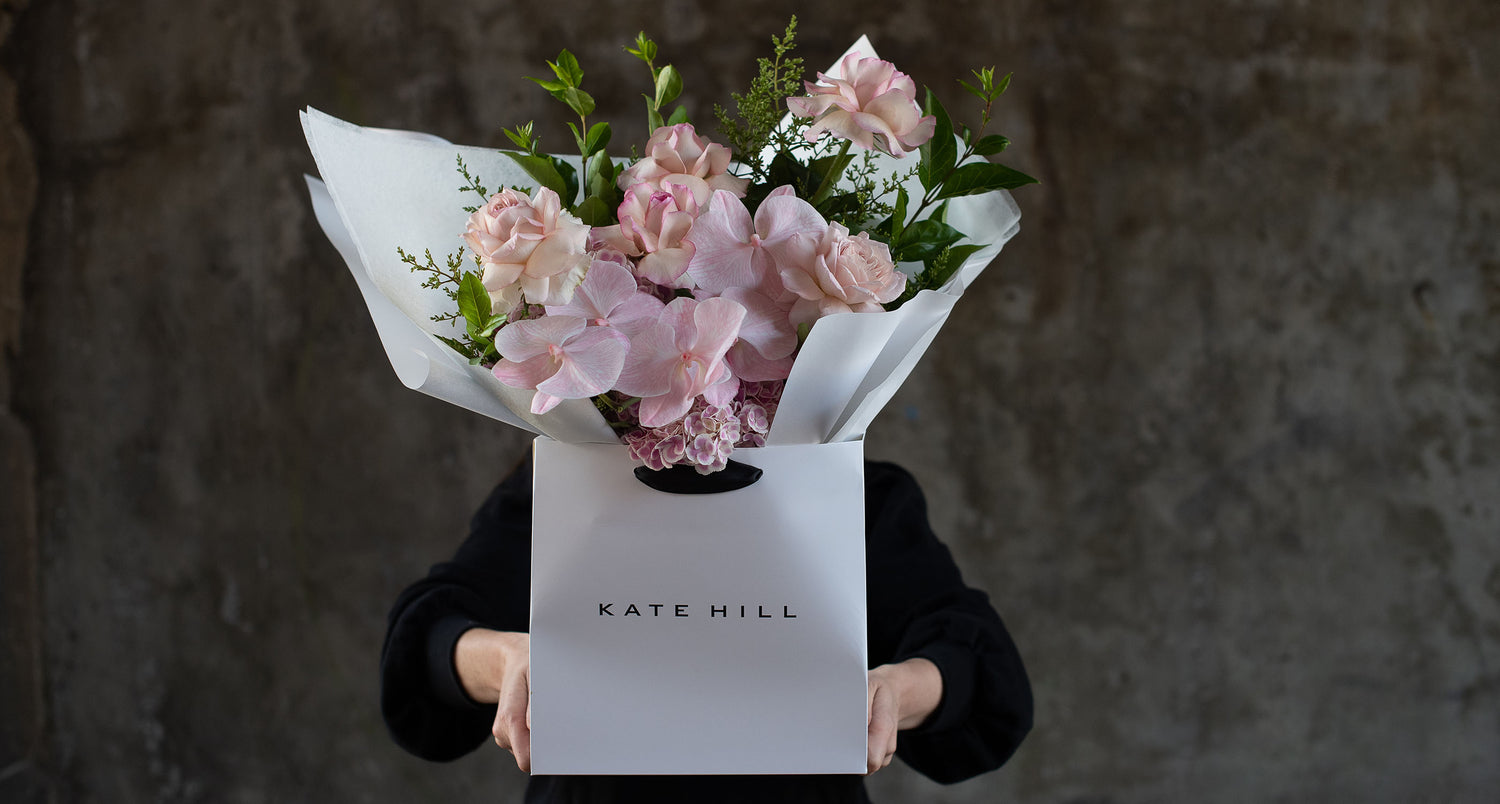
698 633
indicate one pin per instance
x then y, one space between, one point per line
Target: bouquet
680 295
770 285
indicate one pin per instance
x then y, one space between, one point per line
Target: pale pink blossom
561 357
767 338
845 274
680 357
732 250
873 105
528 247
609 297
677 154
653 223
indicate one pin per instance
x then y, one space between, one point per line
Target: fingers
881 737
512 728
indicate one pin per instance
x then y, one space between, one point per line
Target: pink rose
678 155
528 246
845 274
874 106
653 223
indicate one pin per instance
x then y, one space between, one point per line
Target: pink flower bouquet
704 297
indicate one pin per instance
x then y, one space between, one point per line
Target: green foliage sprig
600 197
666 85
758 112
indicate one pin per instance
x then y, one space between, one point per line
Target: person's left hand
901 696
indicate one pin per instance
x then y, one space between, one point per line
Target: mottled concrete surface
1218 432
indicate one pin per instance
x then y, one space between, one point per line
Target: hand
901 696
495 667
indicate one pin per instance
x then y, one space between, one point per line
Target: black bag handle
686 480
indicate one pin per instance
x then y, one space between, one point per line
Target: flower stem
839 163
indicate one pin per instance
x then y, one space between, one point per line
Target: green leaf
668 85
582 103
457 346
599 177
898 215
955 261
594 212
653 117
488 330
787 170
973 90
993 144
551 86
577 137
567 69
1004 82
473 301
597 139
644 49
521 137
939 153
925 239
982 177
830 164
542 169
570 180
679 116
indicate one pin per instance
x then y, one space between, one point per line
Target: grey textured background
1218 431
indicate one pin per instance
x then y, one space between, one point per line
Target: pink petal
527 373
748 365
765 326
524 340
668 266
541 402
718 322
662 410
590 365
636 313
899 111
647 371
721 244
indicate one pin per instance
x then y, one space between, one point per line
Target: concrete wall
1218 431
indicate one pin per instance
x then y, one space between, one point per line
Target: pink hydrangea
703 439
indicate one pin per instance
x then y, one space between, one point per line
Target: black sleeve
487 584
920 607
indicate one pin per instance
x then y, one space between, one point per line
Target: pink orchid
608 297
680 357
766 341
561 357
678 155
731 250
653 223
873 105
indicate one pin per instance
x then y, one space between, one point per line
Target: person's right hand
495 667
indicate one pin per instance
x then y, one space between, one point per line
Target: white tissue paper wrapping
658 693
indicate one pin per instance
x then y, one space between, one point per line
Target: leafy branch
758 112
